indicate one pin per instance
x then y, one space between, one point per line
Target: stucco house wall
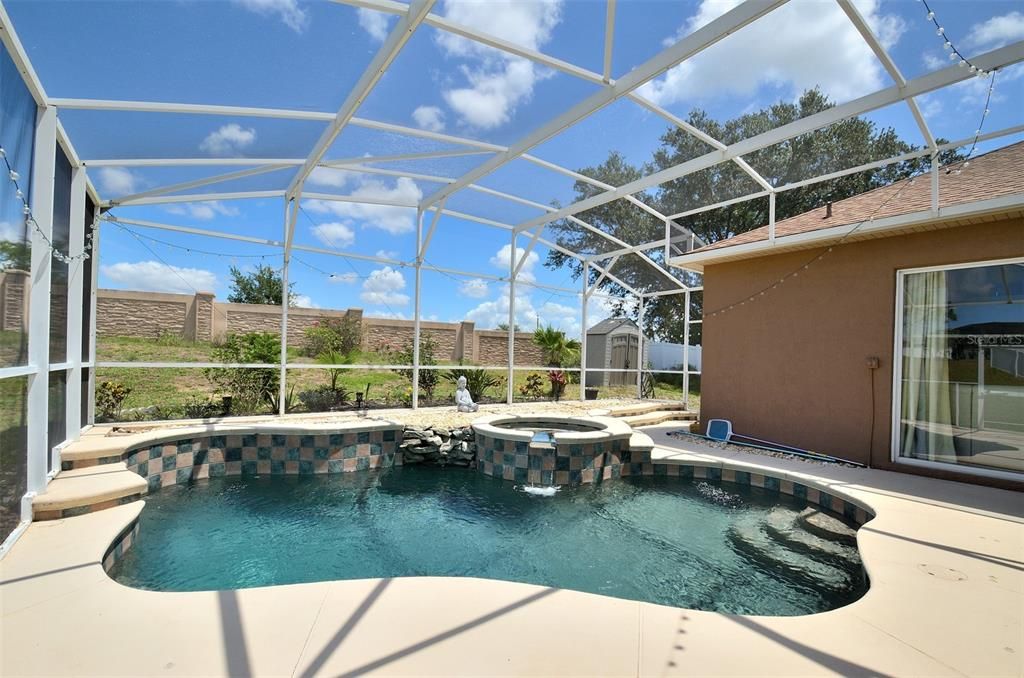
792 366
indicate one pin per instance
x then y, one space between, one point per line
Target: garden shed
612 344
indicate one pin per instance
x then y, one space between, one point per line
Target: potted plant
590 392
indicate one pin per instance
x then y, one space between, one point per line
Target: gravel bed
732 447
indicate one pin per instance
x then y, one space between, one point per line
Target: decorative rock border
437 446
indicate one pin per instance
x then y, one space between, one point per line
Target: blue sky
306 55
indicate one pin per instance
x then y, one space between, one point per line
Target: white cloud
334 234
117 181
430 118
230 139
293 16
375 23
327 176
500 261
497 82
996 32
384 287
387 254
475 288
304 301
798 46
343 278
933 61
154 276
11 233
490 314
204 210
394 220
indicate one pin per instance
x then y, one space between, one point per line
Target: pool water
662 540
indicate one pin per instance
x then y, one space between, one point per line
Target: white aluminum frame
50 133
897 381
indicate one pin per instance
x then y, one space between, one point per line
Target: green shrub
478 381
334 358
332 335
324 398
197 407
110 397
534 386
428 378
249 387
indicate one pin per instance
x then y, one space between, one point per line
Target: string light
954 169
26 211
948 45
977 133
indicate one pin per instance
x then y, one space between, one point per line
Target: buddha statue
463 400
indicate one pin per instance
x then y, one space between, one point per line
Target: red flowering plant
558 380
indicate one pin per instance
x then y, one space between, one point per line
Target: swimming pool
663 540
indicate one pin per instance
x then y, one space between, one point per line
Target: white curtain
926 411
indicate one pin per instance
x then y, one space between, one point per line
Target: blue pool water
662 540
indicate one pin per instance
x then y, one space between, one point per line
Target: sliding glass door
959 395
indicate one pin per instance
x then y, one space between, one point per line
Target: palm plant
559 350
333 357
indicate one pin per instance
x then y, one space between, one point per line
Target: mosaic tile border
570 464
595 463
122 542
72 511
211 456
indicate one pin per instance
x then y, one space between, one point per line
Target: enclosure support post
37 402
668 241
511 318
686 352
583 338
640 351
290 213
93 284
76 284
935 184
416 311
771 217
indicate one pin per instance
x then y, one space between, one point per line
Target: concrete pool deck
946 562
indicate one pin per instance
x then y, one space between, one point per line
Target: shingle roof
610 324
994 174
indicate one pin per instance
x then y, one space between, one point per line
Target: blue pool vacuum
720 430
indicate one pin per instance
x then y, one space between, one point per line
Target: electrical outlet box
873 363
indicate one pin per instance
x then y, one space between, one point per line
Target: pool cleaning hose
795 451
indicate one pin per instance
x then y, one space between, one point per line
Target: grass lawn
169 389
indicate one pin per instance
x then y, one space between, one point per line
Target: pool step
660 417
826 526
782 525
749 538
85 490
645 408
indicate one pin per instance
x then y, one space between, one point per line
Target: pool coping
613 428
945 599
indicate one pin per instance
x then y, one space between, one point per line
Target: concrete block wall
14 300
200 317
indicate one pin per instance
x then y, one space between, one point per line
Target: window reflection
962 388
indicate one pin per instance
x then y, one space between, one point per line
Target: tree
844 144
15 255
253 388
261 286
504 327
559 351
